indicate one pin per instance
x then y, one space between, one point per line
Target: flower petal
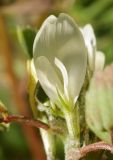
90 41
61 38
73 55
62 68
43 41
48 77
99 61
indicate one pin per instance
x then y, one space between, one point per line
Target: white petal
75 99
48 78
90 41
42 40
62 68
61 38
100 61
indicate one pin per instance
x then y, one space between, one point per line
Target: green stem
73 140
72 120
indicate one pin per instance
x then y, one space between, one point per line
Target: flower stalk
72 121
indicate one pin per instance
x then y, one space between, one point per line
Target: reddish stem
95 147
25 120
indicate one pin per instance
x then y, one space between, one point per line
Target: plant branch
25 120
78 153
95 147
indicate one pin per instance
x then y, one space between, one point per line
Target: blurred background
23 142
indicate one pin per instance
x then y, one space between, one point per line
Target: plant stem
95 147
73 140
25 120
72 120
77 154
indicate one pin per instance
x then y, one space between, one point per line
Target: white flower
60 58
96 59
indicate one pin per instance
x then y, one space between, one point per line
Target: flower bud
99 104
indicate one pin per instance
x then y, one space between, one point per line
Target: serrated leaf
99 104
26 38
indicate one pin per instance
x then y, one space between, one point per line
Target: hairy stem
77 154
73 140
95 147
72 120
25 120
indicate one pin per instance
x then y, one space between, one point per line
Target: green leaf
26 38
99 104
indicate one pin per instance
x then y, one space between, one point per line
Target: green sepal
26 38
40 94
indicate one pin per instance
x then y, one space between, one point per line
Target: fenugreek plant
69 91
